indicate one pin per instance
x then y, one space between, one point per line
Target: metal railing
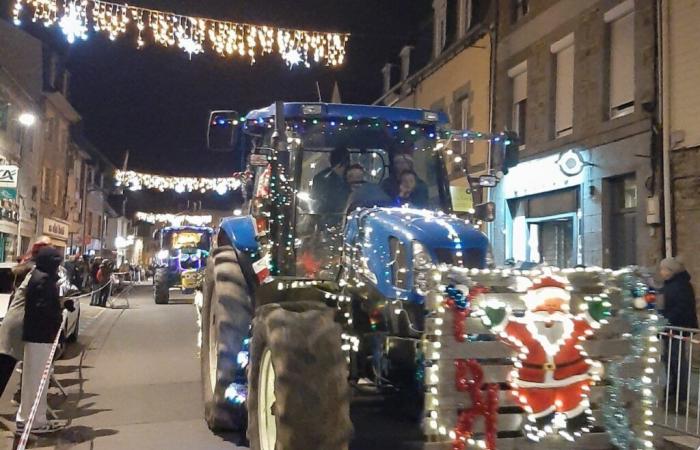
679 401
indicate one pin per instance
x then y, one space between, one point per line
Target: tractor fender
240 233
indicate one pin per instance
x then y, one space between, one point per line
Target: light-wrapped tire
226 317
161 286
311 406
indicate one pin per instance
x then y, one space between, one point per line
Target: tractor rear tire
308 393
227 313
161 286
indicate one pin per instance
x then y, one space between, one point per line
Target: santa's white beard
551 328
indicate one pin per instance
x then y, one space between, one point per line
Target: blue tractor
321 281
180 262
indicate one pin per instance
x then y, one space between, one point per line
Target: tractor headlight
421 257
422 263
163 254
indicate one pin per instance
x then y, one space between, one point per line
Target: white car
72 326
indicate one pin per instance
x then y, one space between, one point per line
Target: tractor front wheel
161 286
299 397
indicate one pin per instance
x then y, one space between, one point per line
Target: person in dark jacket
42 322
11 344
679 310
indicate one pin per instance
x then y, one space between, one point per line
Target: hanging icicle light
135 181
191 34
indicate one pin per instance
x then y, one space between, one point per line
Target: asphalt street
133 382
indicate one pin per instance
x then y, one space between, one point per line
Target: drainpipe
663 9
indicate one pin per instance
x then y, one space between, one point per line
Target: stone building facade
577 81
681 72
451 76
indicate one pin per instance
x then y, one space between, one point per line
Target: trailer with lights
181 258
302 294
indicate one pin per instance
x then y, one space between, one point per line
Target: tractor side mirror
222 131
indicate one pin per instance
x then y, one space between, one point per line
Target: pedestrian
94 282
42 323
679 310
11 344
104 276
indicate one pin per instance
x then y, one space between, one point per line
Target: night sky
155 101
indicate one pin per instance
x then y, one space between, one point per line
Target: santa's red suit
550 376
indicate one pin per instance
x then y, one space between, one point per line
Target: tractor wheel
299 397
161 285
226 317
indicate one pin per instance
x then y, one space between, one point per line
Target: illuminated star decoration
191 34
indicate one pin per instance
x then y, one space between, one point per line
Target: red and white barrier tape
44 379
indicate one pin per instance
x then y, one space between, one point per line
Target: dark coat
329 192
679 301
42 312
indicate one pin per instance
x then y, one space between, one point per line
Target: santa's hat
544 288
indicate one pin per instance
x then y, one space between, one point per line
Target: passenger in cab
409 194
363 194
329 190
401 163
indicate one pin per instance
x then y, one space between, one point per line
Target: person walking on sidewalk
679 309
42 322
104 276
11 343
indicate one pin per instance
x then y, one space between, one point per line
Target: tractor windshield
185 248
391 165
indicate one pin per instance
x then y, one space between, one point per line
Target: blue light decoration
237 391
644 324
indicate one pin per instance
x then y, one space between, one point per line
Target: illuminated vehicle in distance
181 259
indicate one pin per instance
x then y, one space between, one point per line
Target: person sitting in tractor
400 163
363 194
408 191
329 190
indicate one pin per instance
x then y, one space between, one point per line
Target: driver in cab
329 190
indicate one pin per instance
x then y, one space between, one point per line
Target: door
622 201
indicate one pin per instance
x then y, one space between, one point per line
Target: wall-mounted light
27 119
571 162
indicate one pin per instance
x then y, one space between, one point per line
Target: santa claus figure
552 374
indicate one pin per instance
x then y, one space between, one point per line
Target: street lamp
27 120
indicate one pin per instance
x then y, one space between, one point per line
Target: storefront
58 231
579 206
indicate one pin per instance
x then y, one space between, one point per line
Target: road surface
133 382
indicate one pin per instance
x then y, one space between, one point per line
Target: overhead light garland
136 181
191 34
174 219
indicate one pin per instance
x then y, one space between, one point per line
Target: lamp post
27 121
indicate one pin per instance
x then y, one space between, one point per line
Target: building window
520 9
4 114
439 26
51 129
622 221
88 224
57 189
518 123
621 58
46 184
563 51
464 110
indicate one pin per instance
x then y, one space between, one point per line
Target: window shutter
519 87
621 63
564 110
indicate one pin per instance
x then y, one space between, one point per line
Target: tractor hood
433 230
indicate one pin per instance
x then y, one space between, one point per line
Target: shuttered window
621 23
518 75
564 71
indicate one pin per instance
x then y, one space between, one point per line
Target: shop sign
8 181
56 228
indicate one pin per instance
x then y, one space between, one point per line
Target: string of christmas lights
136 181
193 35
174 219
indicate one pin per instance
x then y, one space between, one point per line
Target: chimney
386 72
405 55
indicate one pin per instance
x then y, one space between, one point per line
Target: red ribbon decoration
488 408
459 316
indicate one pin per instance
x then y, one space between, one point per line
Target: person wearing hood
42 322
11 343
680 311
